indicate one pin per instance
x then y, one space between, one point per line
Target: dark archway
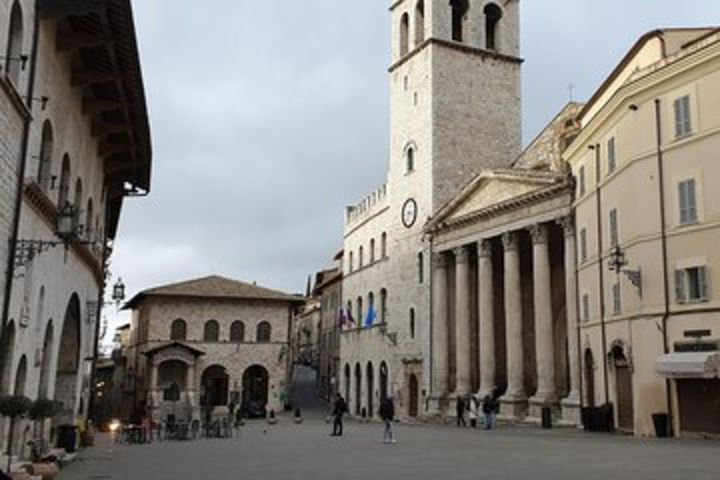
383 381
347 382
215 382
46 361
493 14
358 389
623 389
256 382
178 330
237 332
6 358
264 332
68 363
589 367
211 332
459 10
21 378
369 372
414 394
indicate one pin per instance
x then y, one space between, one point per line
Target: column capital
462 255
538 233
484 248
440 260
509 240
568 224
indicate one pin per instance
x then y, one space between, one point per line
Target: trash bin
661 422
67 438
547 418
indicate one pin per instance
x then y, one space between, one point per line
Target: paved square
287 451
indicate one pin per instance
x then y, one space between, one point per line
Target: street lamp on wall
617 263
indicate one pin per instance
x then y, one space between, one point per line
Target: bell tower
455 94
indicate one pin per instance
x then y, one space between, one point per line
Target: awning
689 365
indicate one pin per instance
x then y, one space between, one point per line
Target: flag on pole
371 316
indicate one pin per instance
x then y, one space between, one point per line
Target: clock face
409 213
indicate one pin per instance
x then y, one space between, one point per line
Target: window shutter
680 286
678 118
703 283
687 127
691 201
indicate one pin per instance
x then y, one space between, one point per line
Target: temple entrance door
255 391
215 383
414 392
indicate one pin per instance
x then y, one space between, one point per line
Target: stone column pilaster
546 393
571 404
463 338
486 319
514 402
440 328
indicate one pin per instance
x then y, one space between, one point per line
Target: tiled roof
215 286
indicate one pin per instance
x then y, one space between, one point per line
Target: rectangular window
581 181
613 228
421 268
683 124
585 307
691 284
688 202
583 245
617 299
612 158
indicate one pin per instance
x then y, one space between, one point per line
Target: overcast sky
268 117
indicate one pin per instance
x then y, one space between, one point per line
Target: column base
572 410
537 403
513 407
438 406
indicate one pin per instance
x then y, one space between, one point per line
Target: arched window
13 54
237 332
421 267
360 257
46 148
404 34
383 306
351 265
264 332
178 330
372 312
493 14
89 213
359 307
383 245
348 313
410 159
372 250
64 190
412 323
21 377
420 23
459 10
212 331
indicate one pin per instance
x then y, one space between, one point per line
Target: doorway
623 390
255 391
414 392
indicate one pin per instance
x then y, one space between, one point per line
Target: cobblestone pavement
288 451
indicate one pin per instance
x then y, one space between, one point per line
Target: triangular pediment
494 188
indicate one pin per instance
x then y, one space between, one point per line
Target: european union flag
371 316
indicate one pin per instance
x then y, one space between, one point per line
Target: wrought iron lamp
617 263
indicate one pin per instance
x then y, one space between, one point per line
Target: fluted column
486 320
440 318
542 298
573 399
463 338
513 323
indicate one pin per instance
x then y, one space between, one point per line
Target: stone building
648 220
204 347
455 110
306 333
504 299
329 290
74 143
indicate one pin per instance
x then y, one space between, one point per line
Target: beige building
648 220
306 333
204 347
75 144
329 290
455 109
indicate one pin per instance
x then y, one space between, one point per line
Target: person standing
490 408
473 409
339 410
387 413
460 412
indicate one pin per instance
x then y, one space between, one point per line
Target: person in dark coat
339 410
3 476
490 408
387 413
460 411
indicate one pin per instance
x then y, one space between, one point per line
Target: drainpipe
12 241
431 322
601 278
664 247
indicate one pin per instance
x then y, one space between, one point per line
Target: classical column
515 394
153 376
572 402
440 318
542 297
463 339
486 327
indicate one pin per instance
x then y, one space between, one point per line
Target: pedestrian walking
339 410
490 408
460 411
473 409
387 413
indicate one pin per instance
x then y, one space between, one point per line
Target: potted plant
298 417
13 407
